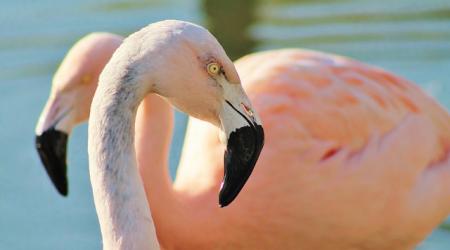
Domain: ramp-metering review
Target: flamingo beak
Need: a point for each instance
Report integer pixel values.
(52, 132)
(51, 146)
(245, 140)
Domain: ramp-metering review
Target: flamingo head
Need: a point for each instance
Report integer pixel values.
(185, 64)
(72, 91)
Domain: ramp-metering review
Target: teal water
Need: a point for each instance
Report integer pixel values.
(409, 37)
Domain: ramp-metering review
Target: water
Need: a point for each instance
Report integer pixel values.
(409, 37)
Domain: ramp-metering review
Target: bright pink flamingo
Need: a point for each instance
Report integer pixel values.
(355, 158)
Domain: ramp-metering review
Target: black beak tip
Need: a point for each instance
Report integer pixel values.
(51, 146)
(62, 187)
(243, 149)
(225, 198)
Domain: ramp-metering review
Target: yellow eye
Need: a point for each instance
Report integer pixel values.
(86, 79)
(213, 69)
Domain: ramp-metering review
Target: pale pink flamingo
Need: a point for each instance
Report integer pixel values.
(355, 158)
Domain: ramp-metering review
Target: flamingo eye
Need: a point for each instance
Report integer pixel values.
(213, 69)
(86, 79)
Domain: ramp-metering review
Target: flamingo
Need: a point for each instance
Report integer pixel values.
(355, 157)
(203, 83)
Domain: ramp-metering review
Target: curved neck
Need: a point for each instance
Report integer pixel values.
(154, 125)
(170, 212)
(120, 200)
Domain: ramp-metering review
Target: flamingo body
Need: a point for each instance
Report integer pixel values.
(355, 158)
(353, 153)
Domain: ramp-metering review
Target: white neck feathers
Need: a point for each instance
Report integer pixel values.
(120, 200)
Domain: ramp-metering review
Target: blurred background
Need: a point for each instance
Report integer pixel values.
(408, 37)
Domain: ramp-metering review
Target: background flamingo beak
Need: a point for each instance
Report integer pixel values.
(51, 146)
